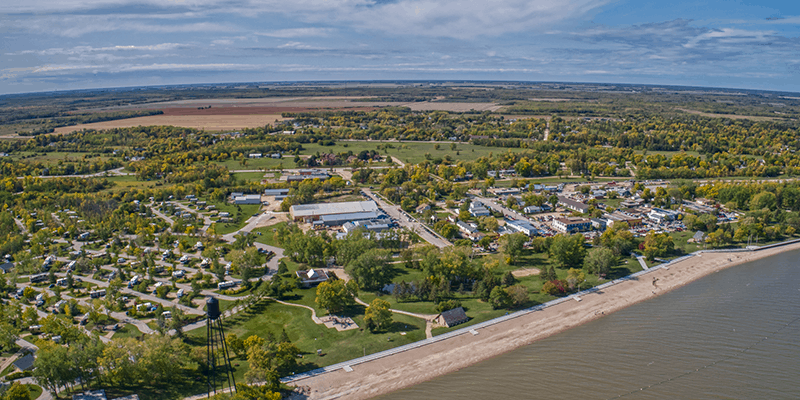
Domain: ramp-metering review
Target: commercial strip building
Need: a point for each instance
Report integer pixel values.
(573, 205)
(522, 227)
(660, 215)
(315, 212)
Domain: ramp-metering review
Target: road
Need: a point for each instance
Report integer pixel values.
(409, 223)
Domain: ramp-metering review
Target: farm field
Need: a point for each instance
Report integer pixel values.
(206, 122)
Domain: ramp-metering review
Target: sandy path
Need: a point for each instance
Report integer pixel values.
(424, 363)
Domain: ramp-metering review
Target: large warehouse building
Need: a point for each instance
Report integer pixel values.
(314, 212)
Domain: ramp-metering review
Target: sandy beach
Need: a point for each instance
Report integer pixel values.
(411, 367)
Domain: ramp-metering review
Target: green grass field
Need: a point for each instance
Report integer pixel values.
(410, 152)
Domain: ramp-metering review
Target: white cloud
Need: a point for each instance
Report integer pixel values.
(730, 35)
(297, 32)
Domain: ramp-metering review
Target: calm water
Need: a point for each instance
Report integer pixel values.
(732, 335)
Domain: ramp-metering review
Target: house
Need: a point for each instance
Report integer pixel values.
(573, 205)
(522, 227)
(25, 362)
(699, 237)
(532, 209)
(477, 209)
(569, 225)
(6, 267)
(312, 277)
(468, 231)
(423, 207)
(452, 317)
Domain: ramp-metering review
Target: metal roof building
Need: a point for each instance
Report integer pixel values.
(313, 212)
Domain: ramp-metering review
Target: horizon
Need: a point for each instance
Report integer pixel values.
(100, 44)
(365, 83)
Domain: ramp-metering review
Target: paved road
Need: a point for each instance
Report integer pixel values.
(409, 223)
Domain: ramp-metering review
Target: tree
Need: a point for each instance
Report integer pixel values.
(378, 316)
(764, 200)
(235, 344)
(371, 270)
(499, 298)
(599, 261)
(335, 295)
(574, 278)
(489, 224)
(518, 295)
(658, 245)
(568, 250)
(512, 246)
(17, 391)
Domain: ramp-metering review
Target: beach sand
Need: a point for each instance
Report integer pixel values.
(411, 367)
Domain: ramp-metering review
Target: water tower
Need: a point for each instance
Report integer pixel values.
(217, 350)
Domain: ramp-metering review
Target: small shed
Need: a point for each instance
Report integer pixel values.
(452, 317)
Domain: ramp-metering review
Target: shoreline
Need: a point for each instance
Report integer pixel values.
(427, 361)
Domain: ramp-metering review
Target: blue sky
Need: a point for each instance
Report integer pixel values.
(77, 44)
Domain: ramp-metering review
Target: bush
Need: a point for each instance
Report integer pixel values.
(555, 288)
(19, 374)
(447, 305)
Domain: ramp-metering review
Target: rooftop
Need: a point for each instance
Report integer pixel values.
(309, 210)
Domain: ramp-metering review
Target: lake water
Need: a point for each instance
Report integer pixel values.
(734, 334)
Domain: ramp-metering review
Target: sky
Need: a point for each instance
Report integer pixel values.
(51, 45)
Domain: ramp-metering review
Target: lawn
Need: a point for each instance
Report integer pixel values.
(249, 176)
(34, 390)
(269, 317)
(268, 234)
(127, 331)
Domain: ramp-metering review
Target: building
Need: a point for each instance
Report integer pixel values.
(599, 224)
(314, 212)
(504, 191)
(25, 362)
(468, 231)
(312, 277)
(423, 207)
(569, 225)
(477, 209)
(532, 209)
(452, 317)
(276, 192)
(617, 216)
(341, 219)
(247, 199)
(255, 155)
(522, 227)
(573, 205)
(304, 174)
(699, 208)
(374, 225)
(6, 267)
(659, 215)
